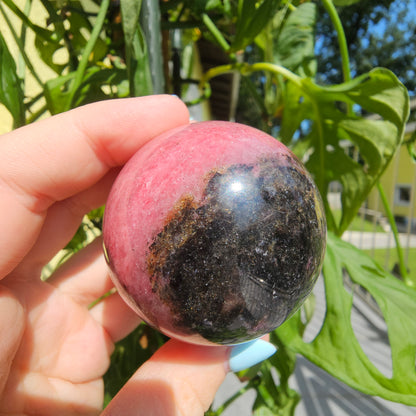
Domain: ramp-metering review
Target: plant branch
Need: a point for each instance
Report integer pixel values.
(402, 266)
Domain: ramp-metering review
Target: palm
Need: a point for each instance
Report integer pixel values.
(63, 353)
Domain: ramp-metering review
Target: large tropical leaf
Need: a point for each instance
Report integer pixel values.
(336, 136)
(295, 46)
(336, 348)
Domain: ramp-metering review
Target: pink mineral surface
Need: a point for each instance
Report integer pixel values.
(214, 233)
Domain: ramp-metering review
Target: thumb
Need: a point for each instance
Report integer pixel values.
(182, 379)
(179, 379)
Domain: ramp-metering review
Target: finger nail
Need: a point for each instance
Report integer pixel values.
(250, 353)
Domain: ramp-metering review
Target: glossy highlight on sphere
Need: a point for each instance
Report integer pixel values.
(215, 233)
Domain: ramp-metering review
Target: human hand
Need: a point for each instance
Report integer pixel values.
(53, 349)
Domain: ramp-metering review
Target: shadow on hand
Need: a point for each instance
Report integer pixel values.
(179, 379)
(143, 397)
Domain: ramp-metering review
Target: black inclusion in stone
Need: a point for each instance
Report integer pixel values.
(235, 265)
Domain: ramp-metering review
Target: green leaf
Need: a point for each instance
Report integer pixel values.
(130, 12)
(410, 145)
(72, 31)
(294, 47)
(336, 348)
(11, 93)
(274, 396)
(251, 20)
(78, 240)
(129, 354)
(78, 23)
(340, 3)
(198, 7)
(139, 67)
(46, 34)
(336, 137)
(296, 109)
(289, 41)
(263, 411)
(47, 51)
(137, 58)
(68, 91)
(213, 4)
(86, 54)
(54, 17)
(150, 25)
(57, 92)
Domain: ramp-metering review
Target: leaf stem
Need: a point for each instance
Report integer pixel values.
(227, 403)
(342, 40)
(402, 266)
(215, 32)
(246, 69)
(320, 127)
(22, 38)
(79, 75)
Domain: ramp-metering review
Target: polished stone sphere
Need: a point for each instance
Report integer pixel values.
(214, 233)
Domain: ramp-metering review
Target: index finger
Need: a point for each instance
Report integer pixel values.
(61, 156)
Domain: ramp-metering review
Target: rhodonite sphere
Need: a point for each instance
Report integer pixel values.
(214, 233)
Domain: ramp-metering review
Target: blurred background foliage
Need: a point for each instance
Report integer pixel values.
(308, 72)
